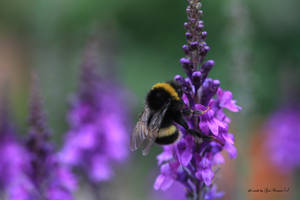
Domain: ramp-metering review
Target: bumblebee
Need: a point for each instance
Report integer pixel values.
(163, 107)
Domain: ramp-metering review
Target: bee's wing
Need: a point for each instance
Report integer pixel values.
(147, 145)
(144, 135)
(157, 118)
(153, 128)
(141, 132)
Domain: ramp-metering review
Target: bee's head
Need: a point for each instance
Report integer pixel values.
(177, 86)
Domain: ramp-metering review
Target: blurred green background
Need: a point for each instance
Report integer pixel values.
(255, 44)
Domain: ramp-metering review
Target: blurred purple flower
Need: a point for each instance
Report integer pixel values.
(46, 178)
(283, 137)
(192, 161)
(97, 137)
(13, 157)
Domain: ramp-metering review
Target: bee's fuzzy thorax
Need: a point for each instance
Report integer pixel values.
(167, 87)
(160, 95)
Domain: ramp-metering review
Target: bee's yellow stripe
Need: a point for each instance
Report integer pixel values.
(164, 132)
(168, 88)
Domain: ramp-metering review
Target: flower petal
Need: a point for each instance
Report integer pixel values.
(230, 148)
(207, 175)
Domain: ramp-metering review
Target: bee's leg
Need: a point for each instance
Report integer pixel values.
(197, 134)
(204, 137)
(187, 112)
(180, 120)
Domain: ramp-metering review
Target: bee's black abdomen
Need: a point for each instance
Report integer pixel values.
(170, 139)
(170, 115)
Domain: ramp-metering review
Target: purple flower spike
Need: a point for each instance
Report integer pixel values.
(46, 177)
(192, 161)
(97, 138)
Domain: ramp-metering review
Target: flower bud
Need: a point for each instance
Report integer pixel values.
(196, 79)
(186, 25)
(205, 68)
(188, 35)
(185, 49)
(194, 45)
